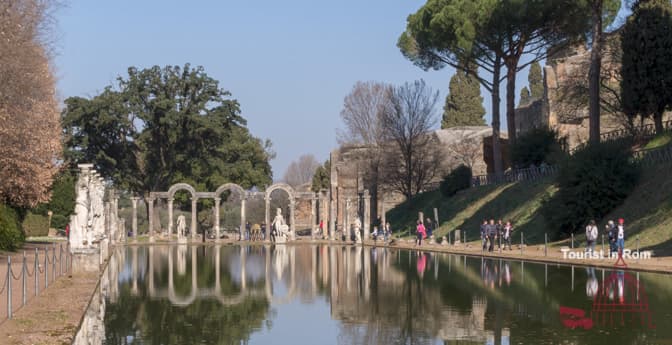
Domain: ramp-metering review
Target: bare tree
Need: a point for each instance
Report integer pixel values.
(301, 171)
(30, 144)
(413, 154)
(362, 116)
(465, 150)
(362, 113)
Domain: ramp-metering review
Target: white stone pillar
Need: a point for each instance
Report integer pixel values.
(150, 205)
(292, 225)
(267, 217)
(313, 211)
(242, 216)
(217, 201)
(332, 217)
(346, 220)
(194, 214)
(367, 214)
(134, 222)
(170, 217)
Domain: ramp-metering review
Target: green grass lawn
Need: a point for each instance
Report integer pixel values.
(647, 211)
(659, 140)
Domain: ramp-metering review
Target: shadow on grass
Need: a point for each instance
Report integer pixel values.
(518, 202)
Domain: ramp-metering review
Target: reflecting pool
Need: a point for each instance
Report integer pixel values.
(320, 294)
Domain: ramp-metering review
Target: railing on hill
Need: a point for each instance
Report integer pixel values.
(643, 131)
(517, 175)
(647, 157)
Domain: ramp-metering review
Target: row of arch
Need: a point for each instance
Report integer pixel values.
(195, 196)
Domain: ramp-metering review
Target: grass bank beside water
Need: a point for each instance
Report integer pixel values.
(647, 211)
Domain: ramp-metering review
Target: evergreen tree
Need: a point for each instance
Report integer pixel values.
(464, 104)
(524, 97)
(646, 87)
(536, 82)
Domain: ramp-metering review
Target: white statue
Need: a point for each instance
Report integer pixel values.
(279, 225)
(181, 226)
(358, 230)
(78, 221)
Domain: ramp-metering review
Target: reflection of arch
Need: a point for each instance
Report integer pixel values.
(196, 291)
(240, 191)
(292, 200)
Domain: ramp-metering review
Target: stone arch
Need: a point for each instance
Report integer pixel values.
(287, 188)
(229, 186)
(292, 200)
(171, 195)
(181, 186)
(243, 196)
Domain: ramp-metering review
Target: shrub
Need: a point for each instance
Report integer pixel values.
(457, 180)
(35, 225)
(11, 236)
(62, 202)
(594, 181)
(59, 222)
(540, 145)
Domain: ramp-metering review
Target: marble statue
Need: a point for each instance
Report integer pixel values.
(280, 226)
(358, 230)
(181, 227)
(79, 219)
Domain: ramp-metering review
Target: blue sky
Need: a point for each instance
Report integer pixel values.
(289, 63)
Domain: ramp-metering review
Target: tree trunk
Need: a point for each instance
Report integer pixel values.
(511, 100)
(594, 74)
(496, 148)
(658, 121)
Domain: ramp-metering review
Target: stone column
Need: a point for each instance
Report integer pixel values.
(170, 217)
(267, 219)
(292, 225)
(134, 221)
(150, 204)
(115, 216)
(217, 201)
(346, 219)
(367, 214)
(313, 211)
(332, 217)
(383, 219)
(194, 214)
(242, 216)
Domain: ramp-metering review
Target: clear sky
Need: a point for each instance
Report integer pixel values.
(289, 63)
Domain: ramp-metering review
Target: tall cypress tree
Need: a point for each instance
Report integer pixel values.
(536, 82)
(464, 103)
(524, 97)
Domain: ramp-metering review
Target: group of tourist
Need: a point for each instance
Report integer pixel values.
(615, 235)
(499, 233)
(424, 230)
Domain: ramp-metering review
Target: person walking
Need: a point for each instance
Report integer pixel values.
(484, 234)
(492, 235)
(500, 232)
(506, 235)
(620, 235)
(612, 236)
(421, 232)
(388, 231)
(591, 236)
(429, 228)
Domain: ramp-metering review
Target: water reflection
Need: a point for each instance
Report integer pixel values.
(359, 295)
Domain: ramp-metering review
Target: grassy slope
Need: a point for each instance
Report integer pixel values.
(648, 210)
(466, 210)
